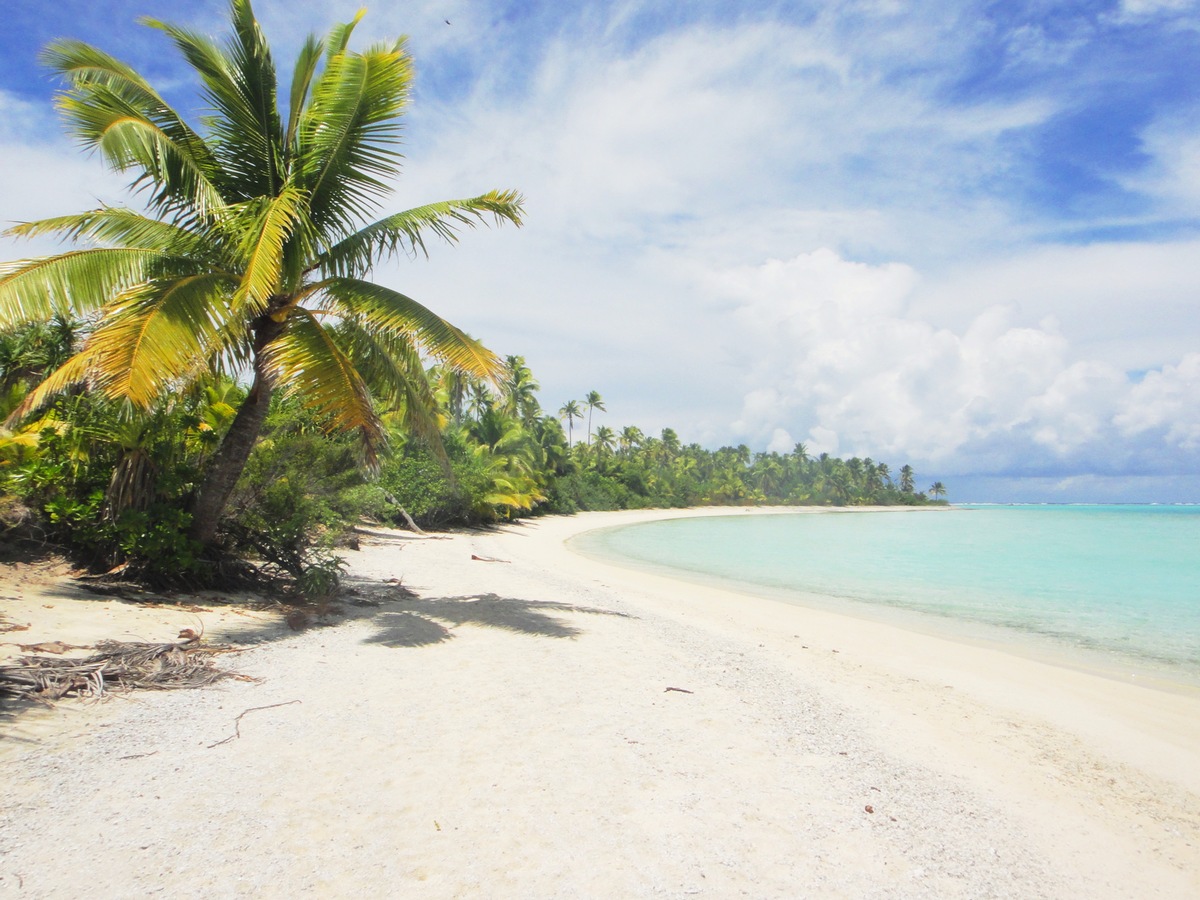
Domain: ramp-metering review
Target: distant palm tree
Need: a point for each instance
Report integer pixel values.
(907, 478)
(606, 440)
(570, 411)
(669, 446)
(631, 438)
(593, 401)
(520, 390)
(254, 255)
(479, 399)
(938, 490)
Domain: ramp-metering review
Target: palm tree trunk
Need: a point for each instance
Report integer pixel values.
(226, 465)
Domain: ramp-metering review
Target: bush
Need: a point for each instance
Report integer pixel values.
(589, 491)
(417, 482)
(298, 497)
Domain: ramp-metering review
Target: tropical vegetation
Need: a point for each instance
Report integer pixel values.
(251, 256)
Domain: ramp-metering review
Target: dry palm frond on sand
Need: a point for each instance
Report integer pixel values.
(116, 665)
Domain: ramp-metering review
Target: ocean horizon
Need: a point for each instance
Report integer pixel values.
(1108, 587)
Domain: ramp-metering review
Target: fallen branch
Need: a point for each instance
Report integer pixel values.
(115, 665)
(237, 723)
(681, 690)
(403, 513)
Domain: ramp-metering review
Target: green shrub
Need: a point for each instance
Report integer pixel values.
(289, 506)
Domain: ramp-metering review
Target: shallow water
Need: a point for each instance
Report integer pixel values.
(1119, 581)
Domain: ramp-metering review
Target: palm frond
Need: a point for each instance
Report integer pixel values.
(112, 108)
(350, 133)
(74, 371)
(339, 36)
(264, 242)
(239, 82)
(120, 226)
(309, 365)
(393, 313)
(70, 283)
(406, 231)
(156, 336)
(395, 374)
(302, 78)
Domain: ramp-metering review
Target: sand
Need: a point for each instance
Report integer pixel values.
(538, 724)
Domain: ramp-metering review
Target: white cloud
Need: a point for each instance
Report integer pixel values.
(43, 175)
(1136, 8)
(838, 353)
(781, 442)
(1166, 401)
(1130, 304)
(1174, 176)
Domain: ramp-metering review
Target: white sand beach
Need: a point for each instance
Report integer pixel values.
(539, 724)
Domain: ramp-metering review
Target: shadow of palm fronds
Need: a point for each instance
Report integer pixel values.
(425, 622)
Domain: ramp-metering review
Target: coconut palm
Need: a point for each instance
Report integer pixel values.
(670, 443)
(570, 411)
(606, 442)
(937, 490)
(519, 390)
(254, 253)
(631, 438)
(593, 401)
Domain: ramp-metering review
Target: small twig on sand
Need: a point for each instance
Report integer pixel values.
(488, 559)
(138, 755)
(237, 726)
(681, 690)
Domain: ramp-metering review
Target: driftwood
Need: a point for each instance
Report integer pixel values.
(237, 723)
(403, 513)
(116, 665)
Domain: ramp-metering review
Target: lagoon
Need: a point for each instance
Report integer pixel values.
(1108, 587)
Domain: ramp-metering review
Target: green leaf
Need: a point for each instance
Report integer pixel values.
(71, 283)
(390, 312)
(310, 366)
(405, 231)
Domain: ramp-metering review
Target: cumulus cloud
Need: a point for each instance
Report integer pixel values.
(840, 358)
(1167, 401)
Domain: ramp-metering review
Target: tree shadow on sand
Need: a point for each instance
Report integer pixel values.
(425, 622)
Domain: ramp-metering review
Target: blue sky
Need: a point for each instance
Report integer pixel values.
(962, 235)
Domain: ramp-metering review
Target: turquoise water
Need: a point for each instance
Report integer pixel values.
(1121, 581)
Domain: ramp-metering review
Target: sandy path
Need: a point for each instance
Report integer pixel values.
(509, 734)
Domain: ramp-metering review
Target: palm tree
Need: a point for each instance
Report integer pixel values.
(938, 490)
(254, 254)
(631, 438)
(907, 479)
(606, 441)
(519, 389)
(593, 401)
(670, 443)
(570, 411)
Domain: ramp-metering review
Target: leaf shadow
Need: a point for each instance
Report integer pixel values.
(425, 622)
